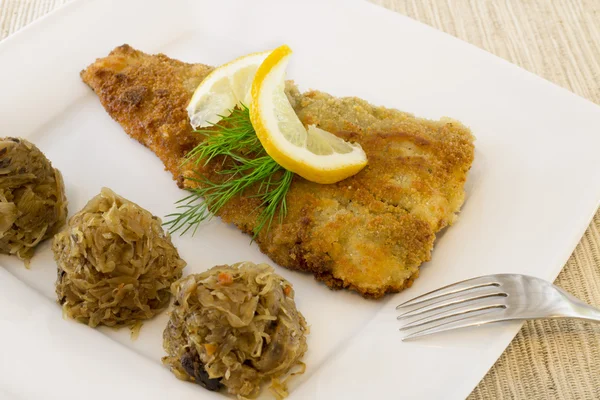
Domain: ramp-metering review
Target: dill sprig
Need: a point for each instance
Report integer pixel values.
(235, 139)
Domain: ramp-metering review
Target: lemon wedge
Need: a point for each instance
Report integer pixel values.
(224, 88)
(311, 152)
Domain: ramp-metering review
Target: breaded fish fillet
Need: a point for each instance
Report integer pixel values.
(368, 233)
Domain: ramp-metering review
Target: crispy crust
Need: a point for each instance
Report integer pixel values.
(368, 233)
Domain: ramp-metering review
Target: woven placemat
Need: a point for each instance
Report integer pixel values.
(558, 40)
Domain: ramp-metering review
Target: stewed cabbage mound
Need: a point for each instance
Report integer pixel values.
(115, 263)
(235, 327)
(33, 206)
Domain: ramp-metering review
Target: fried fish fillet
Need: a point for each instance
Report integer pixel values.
(370, 232)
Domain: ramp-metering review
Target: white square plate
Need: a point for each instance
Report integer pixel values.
(533, 188)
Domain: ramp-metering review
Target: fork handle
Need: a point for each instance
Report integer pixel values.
(586, 312)
(575, 308)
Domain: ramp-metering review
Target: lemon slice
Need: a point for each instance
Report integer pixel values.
(312, 153)
(224, 88)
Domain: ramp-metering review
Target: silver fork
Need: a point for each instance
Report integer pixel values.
(491, 298)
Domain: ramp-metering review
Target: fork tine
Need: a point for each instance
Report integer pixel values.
(461, 286)
(447, 301)
(486, 317)
(444, 316)
(449, 297)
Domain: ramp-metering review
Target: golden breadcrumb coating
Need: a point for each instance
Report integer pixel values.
(368, 233)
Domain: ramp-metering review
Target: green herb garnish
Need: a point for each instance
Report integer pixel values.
(235, 139)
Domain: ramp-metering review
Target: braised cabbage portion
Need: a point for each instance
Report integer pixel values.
(235, 326)
(115, 263)
(33, 206)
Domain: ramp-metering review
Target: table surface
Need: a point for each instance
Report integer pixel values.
(560, 41)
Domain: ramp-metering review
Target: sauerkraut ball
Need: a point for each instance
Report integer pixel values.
(33, 206)
(115, 263)
(235, 327)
